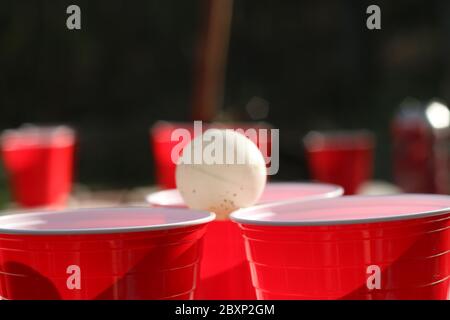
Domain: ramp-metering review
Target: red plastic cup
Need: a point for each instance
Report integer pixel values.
(356, 247)
(107, 253)
(343, 158)
(162, 145)
(39, 163)
(225, 274)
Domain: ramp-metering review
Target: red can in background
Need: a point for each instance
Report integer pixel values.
(344, 158)
(421, 148)
(39, 164)
(224, 272)
(353, 247)
(107, 253)
(163, 144)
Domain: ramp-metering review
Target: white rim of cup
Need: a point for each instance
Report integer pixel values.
(209, 216)
(239, 215)
(154, 197)
(311, 145)
(43, 135)
(336, 192)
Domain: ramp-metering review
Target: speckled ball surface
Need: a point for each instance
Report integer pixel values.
(219, 184)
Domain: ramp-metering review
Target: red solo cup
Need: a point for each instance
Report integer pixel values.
(356, 247)
(163, 145)
(343, 158)
(39, 163)
(225, 274)
(107, 253)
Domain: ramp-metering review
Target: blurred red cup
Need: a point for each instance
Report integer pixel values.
(39, 164)
(356, 247)
(107, 253)
(163, 144)
(224, 272)
(344, 158)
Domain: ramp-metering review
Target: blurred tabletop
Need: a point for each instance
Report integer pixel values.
(83, 197)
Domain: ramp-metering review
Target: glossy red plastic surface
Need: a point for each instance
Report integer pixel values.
(410, 257)
(103, 253)
(225, 273)
(159, 264)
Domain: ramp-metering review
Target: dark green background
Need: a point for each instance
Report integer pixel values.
(315, 62)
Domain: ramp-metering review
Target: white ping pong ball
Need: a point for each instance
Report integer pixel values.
(221, 171)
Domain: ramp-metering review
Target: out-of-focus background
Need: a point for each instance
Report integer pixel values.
(297, 65)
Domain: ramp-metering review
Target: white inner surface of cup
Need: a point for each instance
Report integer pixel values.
(170, 197)
(339, 140)
(349, 209)
(275, 191)
(102, 220)
(286, 191)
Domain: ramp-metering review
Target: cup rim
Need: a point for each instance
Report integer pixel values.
(239, 216)
(157, 198)
(351, 135)
(207, 217)
(41, 135)
(154, 198)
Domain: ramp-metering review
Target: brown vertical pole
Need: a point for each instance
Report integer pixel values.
(211, 59)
